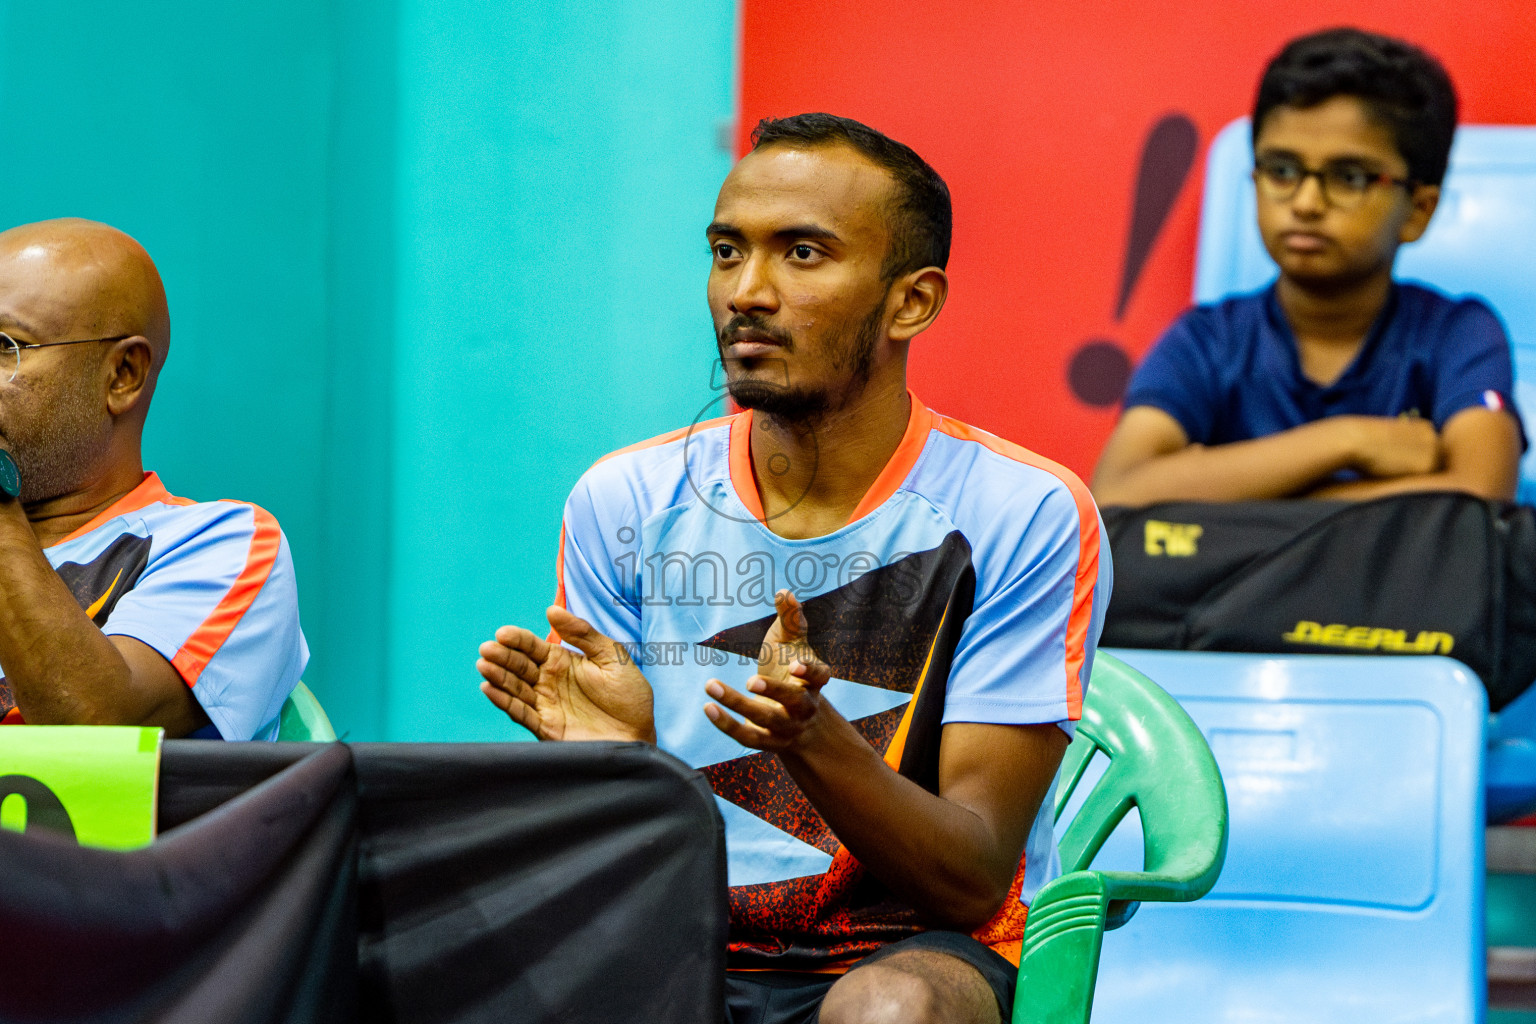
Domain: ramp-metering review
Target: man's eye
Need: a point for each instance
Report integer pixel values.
(802, 252)
(723, 250)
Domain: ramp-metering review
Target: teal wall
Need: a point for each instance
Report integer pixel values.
(557, 166)
(426, 261)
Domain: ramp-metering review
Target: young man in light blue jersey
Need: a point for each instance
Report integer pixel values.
(119, 603)
(901, 609)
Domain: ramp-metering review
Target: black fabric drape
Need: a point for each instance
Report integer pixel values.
(244, 916)
(467, 883)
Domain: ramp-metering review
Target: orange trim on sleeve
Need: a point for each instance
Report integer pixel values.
(206, 640)
(1088, 547)
(919, 423)
(554, 637)
(149, 492)
(560, 569)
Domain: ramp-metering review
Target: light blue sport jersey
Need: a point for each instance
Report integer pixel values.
(968, 586)
(208, 585)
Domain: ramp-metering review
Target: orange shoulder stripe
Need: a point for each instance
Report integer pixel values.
(654, 442)
(206, 640)
(1088, 547)
(667, 438)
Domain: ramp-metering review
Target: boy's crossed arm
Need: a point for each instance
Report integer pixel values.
(1149, 459)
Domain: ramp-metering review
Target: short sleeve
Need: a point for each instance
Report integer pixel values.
(218, 600)
(598, 565)
(1474, 367)
(1179, 377)
(1027, 649)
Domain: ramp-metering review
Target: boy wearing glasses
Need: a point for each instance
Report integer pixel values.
(1336, 381)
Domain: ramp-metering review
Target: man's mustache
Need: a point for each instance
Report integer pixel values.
(743, 323)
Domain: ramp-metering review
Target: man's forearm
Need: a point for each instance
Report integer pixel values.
(931, 852)
(60, 667)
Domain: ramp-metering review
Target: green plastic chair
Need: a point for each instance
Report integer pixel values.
(1158, 762)
(303, 720)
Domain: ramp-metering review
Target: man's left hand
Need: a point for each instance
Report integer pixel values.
(784, 705)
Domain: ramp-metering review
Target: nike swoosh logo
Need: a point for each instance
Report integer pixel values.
(101, 602)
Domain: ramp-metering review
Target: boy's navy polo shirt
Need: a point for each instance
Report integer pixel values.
(1229, 371)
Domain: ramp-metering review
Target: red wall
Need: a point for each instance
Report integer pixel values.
(1036, 115)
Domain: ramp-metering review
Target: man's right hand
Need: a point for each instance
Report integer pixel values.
(557, 694)
(1392, 446)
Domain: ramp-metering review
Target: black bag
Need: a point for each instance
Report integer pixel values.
(1433, 573)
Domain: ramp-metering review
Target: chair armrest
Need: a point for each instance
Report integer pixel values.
(1147, 887)
(1059, 957)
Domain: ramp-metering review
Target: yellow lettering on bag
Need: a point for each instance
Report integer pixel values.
(1368, 638)
(1176, 540)
(1304, 633)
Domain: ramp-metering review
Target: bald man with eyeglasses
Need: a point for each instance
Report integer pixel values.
(119, 602)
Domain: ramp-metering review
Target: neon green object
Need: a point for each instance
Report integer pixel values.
(97, 784)
(303, 720)
(1159, 763)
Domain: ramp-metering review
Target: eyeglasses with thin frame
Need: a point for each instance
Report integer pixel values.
(1344, 183)
(10, 351)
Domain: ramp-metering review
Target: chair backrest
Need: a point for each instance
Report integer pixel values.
(1353, 884)
(303, 720)
(1481, 242)
(1158, 763)
(1135, 748)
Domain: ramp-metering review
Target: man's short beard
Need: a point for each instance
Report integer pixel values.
(58, 456)
(799, 404)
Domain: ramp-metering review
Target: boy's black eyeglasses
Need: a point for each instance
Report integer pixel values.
(1344, 184)
(10, 351)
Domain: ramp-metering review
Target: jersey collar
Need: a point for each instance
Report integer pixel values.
(897, 468)
(149, 492)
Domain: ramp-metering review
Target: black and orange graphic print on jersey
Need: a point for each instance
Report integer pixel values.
(896, 628)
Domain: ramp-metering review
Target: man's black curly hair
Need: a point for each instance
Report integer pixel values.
(921, 223)
(1403, 88)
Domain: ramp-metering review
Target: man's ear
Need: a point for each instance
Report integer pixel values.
(129, 363)
(1422, 202)
(918, 296)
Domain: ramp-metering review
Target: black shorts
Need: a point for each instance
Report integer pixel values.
(793, 997)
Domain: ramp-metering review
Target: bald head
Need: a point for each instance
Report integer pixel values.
(79, 278)
(73, 413)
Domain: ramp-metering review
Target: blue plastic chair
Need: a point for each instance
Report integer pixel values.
(1481, 242)
(1353, 885)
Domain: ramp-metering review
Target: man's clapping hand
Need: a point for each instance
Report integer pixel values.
(558, 694)
(784, 705)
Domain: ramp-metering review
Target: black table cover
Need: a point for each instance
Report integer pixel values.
(382, 883)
